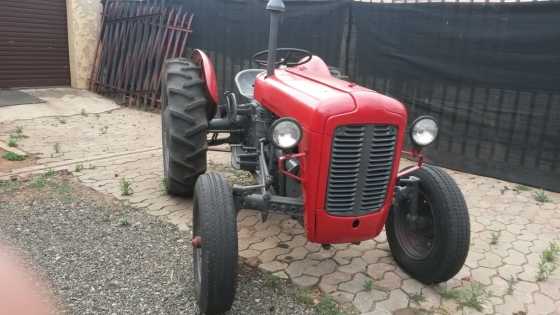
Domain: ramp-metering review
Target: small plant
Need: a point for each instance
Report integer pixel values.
(12, 156)
(61, 120)
(519, 188)
(19, 131)
(271, 281)
(104, 130)
(78, 168)
(511, 285)
(494, 238)
(83, 112)
(50, 173)
(417, 298)
(327, 306)
(548, 262)
(368, 285)
(126, 187)
(123, 222)
(163, 185)
(9, 185)
(56, 148)
(97, 115)
(39, 182)
(474, 296)
(540, 196)
(12, 141)
(303, 296)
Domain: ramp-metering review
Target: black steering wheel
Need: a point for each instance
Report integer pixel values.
(290, 57)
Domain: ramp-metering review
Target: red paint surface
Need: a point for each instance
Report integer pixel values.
(320, 103)
(208, 73)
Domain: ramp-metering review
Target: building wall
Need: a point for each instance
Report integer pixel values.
(84, 20)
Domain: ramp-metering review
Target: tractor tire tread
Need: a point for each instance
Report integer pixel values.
(218, 227)
(186, 110)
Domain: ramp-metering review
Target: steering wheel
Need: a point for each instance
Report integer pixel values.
(290, 57)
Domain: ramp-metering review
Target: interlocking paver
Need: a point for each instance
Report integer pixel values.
(524, 227)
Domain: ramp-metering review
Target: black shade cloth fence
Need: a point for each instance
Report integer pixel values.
(489, 72)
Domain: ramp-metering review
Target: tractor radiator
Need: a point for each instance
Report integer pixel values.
(360, 171)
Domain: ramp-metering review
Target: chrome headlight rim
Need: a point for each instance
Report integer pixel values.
(276, 124)
(415, 124)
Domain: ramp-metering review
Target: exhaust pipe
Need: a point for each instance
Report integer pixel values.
(276, 8)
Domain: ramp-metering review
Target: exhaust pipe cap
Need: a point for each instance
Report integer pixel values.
(276, 6)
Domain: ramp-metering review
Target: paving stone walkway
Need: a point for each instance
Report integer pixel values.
(510, 228)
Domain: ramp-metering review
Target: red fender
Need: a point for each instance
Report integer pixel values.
(208, 74)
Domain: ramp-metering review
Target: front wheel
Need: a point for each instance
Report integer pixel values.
(214, 244)
(433, 246)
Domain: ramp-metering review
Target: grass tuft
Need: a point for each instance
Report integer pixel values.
(473, 296)
(327, 306)
(12, 156)
(12, 141)
(304, 296)
(123, 222)
(126, 187)
(83, 112)
(271, 281)
(417, 298)
(78, 168)
(368, 285)
(540, 196)
(549, 261)
(494, 238)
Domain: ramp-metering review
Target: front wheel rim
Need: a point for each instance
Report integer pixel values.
(416, 237)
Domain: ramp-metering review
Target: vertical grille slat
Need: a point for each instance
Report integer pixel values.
(360, 171)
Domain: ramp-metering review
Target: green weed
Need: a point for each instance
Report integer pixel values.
(78, 168)
(271, 281)
(61, 120)
(417, 298)
(304, 296)
(123, 222)
(541, 196)
(12, 156)
(83, 112)
(474, 296)
(368, 285)
(519, 188)
(126, 187)
(549, 261)
(56, 148)
(12, 141)
(327, 306)
(494, 238)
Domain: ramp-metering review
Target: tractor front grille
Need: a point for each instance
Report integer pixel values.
(360, 171)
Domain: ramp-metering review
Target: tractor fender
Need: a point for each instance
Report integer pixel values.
(208, 74)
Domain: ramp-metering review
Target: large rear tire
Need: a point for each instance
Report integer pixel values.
(434, 247)
(184, 117)
(215, 251)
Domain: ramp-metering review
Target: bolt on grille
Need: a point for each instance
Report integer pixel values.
(360, 170)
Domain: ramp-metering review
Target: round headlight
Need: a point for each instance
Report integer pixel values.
(424, 131)
(285, 133)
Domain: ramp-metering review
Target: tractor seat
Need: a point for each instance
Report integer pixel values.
(245, 81)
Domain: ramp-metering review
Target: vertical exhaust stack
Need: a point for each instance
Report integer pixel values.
(276, 8)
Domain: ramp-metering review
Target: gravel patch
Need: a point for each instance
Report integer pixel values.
(100, 257)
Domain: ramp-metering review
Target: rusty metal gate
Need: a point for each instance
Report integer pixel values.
(135, 40)
(33, 43)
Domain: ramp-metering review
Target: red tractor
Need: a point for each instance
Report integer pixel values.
(321, 149)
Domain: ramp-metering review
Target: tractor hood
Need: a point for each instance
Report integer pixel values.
(309, 94)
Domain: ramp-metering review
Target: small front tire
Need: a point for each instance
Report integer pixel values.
(215, 251)
(434, 248)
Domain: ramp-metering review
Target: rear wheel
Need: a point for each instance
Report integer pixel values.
(433, 246)
(215, 250)
(184, 117)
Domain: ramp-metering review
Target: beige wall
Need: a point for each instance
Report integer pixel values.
(84, 17)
